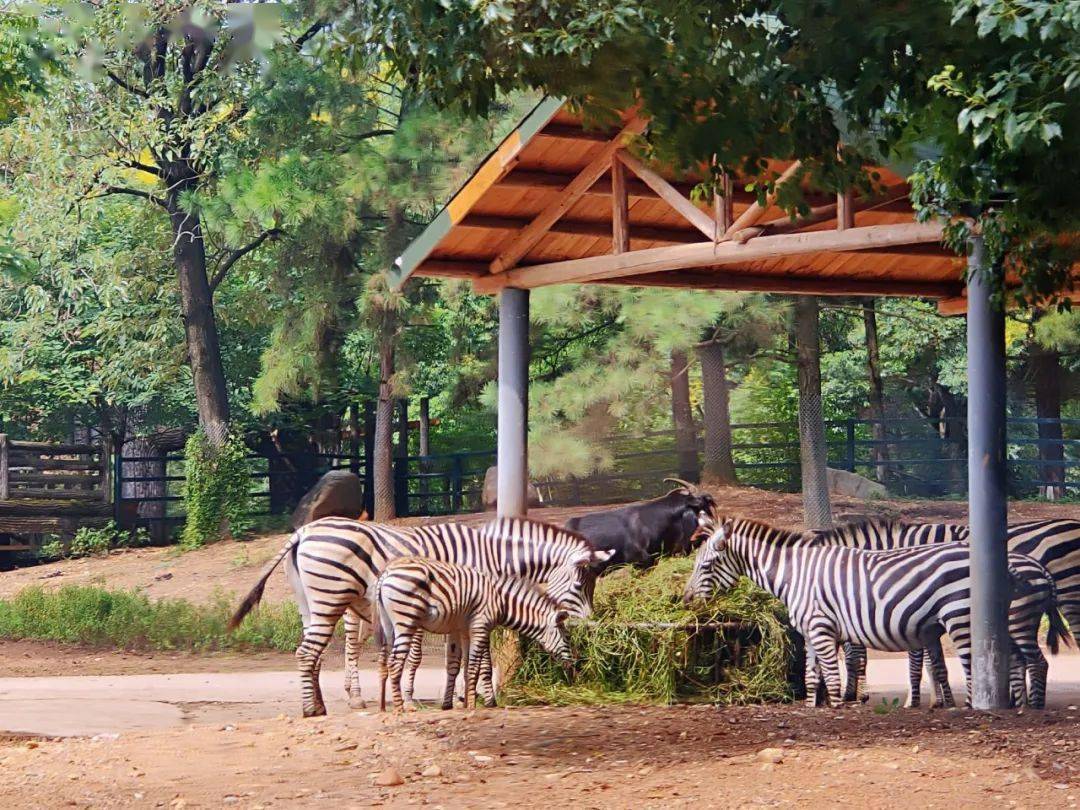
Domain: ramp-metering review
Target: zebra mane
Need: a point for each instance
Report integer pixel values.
(529, 529)
(760, 530)
(861, 524)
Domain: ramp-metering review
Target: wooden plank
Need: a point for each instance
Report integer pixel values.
(723, 207)
(93, 477)
(53, 494)
(547, 182)
(50, 449)
(35, 463)
(790, 285)
(578, 227)
(949, 307)
(709, 254)
(756, 211)
(620, 209)
(686, 209)
(3, 467)
(570, 132)
(562, 203)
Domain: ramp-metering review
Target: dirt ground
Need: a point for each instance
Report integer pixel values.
(611, 758)
(231, 568)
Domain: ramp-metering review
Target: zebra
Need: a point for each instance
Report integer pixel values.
(1054, 543)
(332, 562)
(890, 600)
(414, 594)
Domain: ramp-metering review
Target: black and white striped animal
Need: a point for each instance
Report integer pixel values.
(889, 600)
(416, 594)
(1054, 544)
(333, 562)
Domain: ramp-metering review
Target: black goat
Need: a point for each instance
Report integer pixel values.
(642, 532)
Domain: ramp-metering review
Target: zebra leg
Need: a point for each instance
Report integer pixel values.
(914, 668)
(308, 658)
(383, 653)
(939, 673)
(403, 639)
(487, 685)
(825, 645)
(851, 666)
(1036, 666)
(454, 650)
(862, 693)
(1018, 692)
(812, 680)
(412, 663)
(355, 628)
(479, 646)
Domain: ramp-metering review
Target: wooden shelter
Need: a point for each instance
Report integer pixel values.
(558, 203)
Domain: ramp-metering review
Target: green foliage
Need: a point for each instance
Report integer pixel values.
(620, 660)
(90, 541)
(216, 489)
(130, 620)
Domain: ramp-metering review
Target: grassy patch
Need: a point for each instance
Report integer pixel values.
(624, 659)
(130, 620)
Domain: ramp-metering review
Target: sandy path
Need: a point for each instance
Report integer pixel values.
(616, 757)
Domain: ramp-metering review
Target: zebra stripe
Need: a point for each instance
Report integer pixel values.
(333, 562)
(1054, 544)
(890, 600)
(416, 594)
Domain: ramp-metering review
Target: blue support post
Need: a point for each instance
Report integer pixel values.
(987, 497)
(513, 461)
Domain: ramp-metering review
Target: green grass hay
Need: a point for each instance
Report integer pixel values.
(623, 660)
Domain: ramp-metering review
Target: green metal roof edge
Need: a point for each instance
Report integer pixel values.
(422, 246)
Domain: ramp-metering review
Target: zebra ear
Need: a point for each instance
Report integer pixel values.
(601, 556)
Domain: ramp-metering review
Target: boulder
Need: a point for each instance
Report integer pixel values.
(853, 485)
(491, 489)
(339, 493)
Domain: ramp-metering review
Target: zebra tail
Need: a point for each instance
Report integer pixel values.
(255, 595)
(1058, 630)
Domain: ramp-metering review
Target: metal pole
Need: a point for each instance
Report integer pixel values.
(987, 504)
(513, 462)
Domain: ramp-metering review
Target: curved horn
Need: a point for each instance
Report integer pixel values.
(690, 487)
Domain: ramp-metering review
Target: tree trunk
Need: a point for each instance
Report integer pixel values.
(384, 425)
(150, 464)
(719, 463)
(877, 391)
(683, 416)
(813, 451)
(200, 325)
(1046, 379)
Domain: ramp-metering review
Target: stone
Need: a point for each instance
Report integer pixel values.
(339, 493)
(773, 755)
(491, 489)
(431, 771)
(389, 778)
(853, 485)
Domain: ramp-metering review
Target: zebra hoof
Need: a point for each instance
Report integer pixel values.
(357, 702)
(315, 711)
(447, 706)
(410, 706)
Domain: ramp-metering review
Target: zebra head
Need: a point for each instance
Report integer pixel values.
(714, 567)
(571, 585)
(554, 637)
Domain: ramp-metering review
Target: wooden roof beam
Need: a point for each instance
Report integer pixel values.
(536, 179)
(792, 285)
(577, 227)
(533, 232)
(709, 254)
(666, 192)
(755, 212)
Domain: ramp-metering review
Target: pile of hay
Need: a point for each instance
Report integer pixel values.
(643, 645)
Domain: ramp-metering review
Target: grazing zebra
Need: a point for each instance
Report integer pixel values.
(414, 594)
(1055, 544)
(332, 562)
(890, 600)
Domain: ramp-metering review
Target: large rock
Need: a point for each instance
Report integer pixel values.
(491, 490)
(339, 493)
(853, 485)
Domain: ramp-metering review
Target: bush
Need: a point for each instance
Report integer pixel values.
(643, 645)
(217, 481)
(128, 619)
(89, 541)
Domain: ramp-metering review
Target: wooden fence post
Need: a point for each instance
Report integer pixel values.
(3, 467)
(106, 468)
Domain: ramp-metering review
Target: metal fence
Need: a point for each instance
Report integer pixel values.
(921, 459)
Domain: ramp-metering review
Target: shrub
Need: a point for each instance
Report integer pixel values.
(643, 645)
(89, 541)
(217, 480)
(129, 619)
